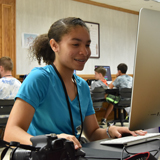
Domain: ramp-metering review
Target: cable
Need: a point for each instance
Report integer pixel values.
(124, 148)
(94, 157)
(130, 153)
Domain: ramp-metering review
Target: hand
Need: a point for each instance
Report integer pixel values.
(118, 131)
(117, 74)
(70, 138)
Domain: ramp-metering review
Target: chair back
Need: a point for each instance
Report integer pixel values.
(98, 98)
(5, 109)
(125, 95)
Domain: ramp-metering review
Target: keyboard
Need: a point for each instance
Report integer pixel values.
(131, 140)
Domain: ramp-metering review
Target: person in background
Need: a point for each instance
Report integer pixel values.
(41, 105)
(122, 81)
(100, 73)
(9, 85)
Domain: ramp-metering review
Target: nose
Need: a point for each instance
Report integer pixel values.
(85, 51)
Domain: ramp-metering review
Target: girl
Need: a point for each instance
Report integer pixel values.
(54, 100)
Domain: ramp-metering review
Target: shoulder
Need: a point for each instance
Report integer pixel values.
(40, 73)
(126, 77)
(81, 83)
(40, 76)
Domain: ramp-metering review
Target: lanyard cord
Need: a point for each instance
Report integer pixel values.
(69, 108)
(79, 109)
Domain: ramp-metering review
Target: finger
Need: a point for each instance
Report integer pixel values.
(75, 141)
(113, 131)
(133, 133)
(71, 138)
(141, 132)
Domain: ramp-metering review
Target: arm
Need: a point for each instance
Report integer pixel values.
(93, 132)
(18, 122)
(111, 84)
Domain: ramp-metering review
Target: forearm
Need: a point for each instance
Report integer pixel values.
(111, 85)
(17, 134)
(98, 134)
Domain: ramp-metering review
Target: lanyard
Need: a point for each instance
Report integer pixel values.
(69, 107)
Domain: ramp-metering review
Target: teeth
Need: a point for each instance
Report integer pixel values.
(79, 60)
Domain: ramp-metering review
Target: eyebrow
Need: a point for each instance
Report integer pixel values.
(76, 39)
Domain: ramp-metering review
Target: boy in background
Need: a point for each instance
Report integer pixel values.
(100, 73)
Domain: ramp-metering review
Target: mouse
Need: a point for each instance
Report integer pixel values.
(79, 152)
(126, 134)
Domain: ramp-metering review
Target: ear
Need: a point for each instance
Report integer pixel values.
(119, 72)
(54, 45)
(1, 68)
(100, 74)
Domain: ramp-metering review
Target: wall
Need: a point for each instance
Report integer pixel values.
(117, 31)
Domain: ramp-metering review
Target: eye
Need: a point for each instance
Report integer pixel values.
(88, 45)
(75, 44)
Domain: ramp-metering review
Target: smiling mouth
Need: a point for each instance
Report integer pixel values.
(80, 60)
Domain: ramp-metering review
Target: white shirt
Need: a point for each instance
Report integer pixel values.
(9, 87)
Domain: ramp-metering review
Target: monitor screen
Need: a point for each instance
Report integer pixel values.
(108, 74)
(145, 102)
(74, 71)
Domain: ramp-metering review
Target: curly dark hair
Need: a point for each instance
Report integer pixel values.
(41, 48)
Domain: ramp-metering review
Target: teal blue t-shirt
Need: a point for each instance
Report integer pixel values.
(43, 90)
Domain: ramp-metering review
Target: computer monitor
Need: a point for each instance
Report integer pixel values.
(108, 74)
(145, 102)
(74, 71)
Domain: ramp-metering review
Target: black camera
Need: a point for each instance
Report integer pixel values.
(46, 148)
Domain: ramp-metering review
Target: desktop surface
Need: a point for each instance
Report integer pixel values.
(95, 149)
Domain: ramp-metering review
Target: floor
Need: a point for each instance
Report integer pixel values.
(7, 157)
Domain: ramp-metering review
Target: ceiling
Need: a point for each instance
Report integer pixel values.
(134, 5)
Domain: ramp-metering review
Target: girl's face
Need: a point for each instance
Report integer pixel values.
(73, 51)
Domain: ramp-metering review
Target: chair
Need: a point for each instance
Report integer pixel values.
(89, 81)
(125, 95)
(5, 108)
(98, 97)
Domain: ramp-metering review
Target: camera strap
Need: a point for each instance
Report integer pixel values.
(69, 107)
(8, 145)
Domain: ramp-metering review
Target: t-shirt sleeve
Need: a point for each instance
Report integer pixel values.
(90, 109)
(34, 87)
(116, 82)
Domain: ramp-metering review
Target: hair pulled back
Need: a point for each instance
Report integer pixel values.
(41, 48)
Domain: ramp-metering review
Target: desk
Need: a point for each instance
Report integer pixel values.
(95, 149)
(113, 91)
